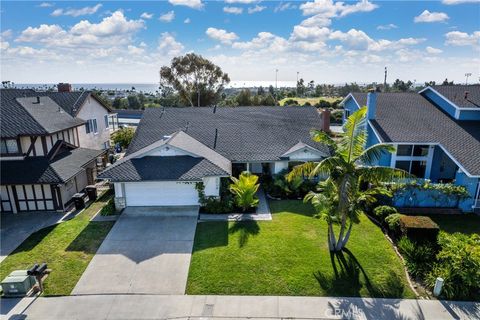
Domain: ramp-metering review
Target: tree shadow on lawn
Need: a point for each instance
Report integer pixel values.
(246, 230)
(91, 237)
(210, 235)
(347, 279)
(34, 239)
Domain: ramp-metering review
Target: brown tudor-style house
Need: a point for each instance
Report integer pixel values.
(52, 145)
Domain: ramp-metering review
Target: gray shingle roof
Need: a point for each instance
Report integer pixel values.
(48, 114)
(155, 168)
(408, 117)
(456, 94)
(16, 121)
(33, 170)
(244, 133)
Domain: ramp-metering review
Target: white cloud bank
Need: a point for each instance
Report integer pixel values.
(427, 16)
(76, 12)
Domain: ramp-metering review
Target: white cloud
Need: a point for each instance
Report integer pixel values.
(76, 12)
(45, 5)
(263, 40)
(113, 30)
(427, 16)
(453, 2)
(331, 9)
(256, 9)
(167, 17)
(146, 15)
(187, 21)
(241, 1)
(284, 6)
(6, 34)
(133, 50)
(233, 10)
(194, 4)
(221, 35)
(433, 50)
(169, 46)
(310, 33)
(387, 26)
(457, 38)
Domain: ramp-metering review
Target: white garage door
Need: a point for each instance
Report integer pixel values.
(161, 194)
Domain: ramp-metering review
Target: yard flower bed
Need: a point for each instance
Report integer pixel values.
(67, 248)
(289, 256)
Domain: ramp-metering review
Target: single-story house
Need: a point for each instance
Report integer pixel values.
(174, 148)
(436, 133)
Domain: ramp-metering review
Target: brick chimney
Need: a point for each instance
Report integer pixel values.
(64, 87)
(371, 104)
(325, 120)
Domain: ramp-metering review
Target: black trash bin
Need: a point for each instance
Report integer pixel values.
(91, 192)
(78, 199)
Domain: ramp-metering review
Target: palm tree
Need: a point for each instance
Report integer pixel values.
(343, 194)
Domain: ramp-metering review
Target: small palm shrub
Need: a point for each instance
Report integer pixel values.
(418, 257)
(245, 189)
(381, 212)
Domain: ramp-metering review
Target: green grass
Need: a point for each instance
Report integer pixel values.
(312, 101)
(464, 223)
(289, 256)
(67, 248)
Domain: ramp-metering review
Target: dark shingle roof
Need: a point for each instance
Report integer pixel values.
(40, 170)
(456, 94)
(48, 114)
(154, 168)
(408, 117)
(244, 133)
(15, 120)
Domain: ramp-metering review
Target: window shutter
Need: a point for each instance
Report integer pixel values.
(95, 126)
(106, 120)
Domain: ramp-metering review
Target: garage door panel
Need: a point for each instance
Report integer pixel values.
(169, 193)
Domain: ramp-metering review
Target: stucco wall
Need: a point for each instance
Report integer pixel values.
(212, 186)
(93, 110)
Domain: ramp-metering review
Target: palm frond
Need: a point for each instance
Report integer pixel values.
(374, 153)
(322, 137)
(377, 174)
(353, 138)
(302, 170)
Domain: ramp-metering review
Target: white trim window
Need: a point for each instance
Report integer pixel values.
(106, 118)
(347, 113)
(414, 159)
(91, 126)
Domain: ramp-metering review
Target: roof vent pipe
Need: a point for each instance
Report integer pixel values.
(214, 108)
(371, 104)
(466, 95)
(37, 101)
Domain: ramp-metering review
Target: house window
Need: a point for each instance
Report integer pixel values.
(9, 146)
(412, 158)
(106, 121)
(347, 113)
(91, 126)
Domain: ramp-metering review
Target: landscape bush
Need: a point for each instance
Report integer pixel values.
(336, 116)
(210, 204)
(419, 228)
(418, 257)
(458, 263)
(279, 187)
(381, 212)
(123, 136)
(393, 223)
(291, 102)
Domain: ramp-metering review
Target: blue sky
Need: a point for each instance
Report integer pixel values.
(326, 41)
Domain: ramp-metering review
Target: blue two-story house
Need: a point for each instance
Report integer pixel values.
(436, 133)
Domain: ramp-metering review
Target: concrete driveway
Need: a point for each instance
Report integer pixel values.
(15, 228)
(147, 251)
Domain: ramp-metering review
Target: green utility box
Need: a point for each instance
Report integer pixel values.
(18, 283)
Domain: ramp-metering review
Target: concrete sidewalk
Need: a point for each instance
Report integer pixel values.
(182, 306)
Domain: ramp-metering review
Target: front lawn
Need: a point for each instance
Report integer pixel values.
(289, 256)
(67, 248)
